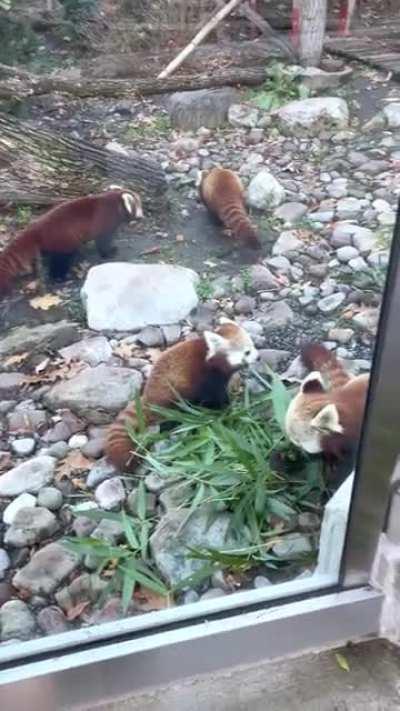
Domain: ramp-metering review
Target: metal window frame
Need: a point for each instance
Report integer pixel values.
(95, 665)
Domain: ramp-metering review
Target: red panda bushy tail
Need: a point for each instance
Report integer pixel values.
(16, 259)
(316, 357)
(234, 216)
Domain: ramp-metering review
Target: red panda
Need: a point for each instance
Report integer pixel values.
(197, 370)
(327, 413)
(58, 233)
(222, 192)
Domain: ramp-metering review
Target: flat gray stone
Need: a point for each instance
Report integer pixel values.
(243, 115)
(123, 297)
(100, 471)
(23, 447)
(110, 494)
(328, 111)
(30, 526)
(50, 497)
(287, 242)
(170, 540)
(47, 335)
(46, 569)
(21, 502)
(95, 393)
(292, 545)
(30, 476)
(262, 278)
(190, 110)
(330, 303)
(344, 254)
(276, 315)
(392, 115)
(10, 384)
(16, 621)
(4, 562)
(92, 351)
(291, 212)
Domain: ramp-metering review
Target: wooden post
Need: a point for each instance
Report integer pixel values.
(309, 17)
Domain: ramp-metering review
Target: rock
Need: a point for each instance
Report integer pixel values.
(391, 113)
(23, 447)
(190, 597)
(6, 593)
(348, 208)
(92, 351)
(63, 430)
(77, 441)
(317, 79)
(132, 503)
(367, 319)
(110, 494)
(191, 110)
(59, 450)
(170, 540)
(212, 594)
(272, 357)
(387, 219)
(291, 212)
(109, 531)
(319, 271)
(287, 242)
(280, 263)
(29, 476)
(151, 336)
(10, 384)
(52, 620)
(254, 136)
(344, 254)
(261, 278)
(243, 116)
(100, 472)
(330, 303)
(245, 305)
(21, 502)
(94, 448)
(4, 563)
(309, 521)
(46, 569)
(171, 333)
(16, 620)
(83, 526)
(276, 315)
(50, 497)
(342, 234)
(176, 496)
(321, 216)
(27, 421)
(265, 191)
(292, 545)
(364, 239)
(373, 167)
(30, 526)
(96, 393)
(379, 259)
(358, 264)
(86, 587)
(341, 335)
(307, 114)
(124, 297)
(48, 336)
(260, 581)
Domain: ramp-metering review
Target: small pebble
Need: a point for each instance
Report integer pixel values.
(260, 581)
(23, 447)
(50, 497)
(59, 450)
(22, 501)
(77, 441)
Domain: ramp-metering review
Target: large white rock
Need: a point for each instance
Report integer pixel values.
(265, 191)
(307, 113)
(30, 476)
(122, 296)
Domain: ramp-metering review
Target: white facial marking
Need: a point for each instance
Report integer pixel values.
(327, 420)
(199, 178)
(215, 344)
(115, 187)
(299, 431)
(131, 206)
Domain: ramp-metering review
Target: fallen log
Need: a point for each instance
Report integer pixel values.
(21, 88)
(39, 167)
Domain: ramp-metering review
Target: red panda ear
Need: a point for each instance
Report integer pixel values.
(313, 383)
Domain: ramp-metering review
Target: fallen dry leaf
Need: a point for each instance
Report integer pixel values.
(76, 611)
(125, 350)
(45, 302)
(15, 359)
(73, 463)
(147, 600)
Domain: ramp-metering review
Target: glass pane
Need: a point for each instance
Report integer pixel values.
(177, 222)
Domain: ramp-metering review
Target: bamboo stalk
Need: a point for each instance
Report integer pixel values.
(197, 39)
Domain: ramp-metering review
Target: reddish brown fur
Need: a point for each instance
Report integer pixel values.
(62, 230)
(181, 369)
(222, 192)
(348, 394)
(316, 357)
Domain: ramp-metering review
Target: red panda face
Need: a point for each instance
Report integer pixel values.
(132, 205)
(311, 416)
(231, 342)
